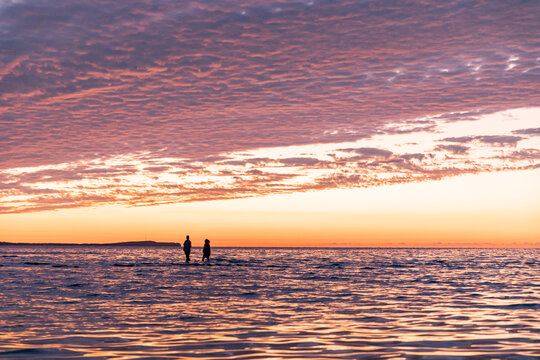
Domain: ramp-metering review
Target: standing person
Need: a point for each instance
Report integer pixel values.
(206, 250)
(187, 248)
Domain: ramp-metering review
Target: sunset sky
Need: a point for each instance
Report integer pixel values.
(271, 123)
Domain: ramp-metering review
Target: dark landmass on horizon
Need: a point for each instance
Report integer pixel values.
(124, 243)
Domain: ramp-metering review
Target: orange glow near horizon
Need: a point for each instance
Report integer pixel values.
(486, 210)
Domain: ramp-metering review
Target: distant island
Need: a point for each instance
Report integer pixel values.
(124, 243)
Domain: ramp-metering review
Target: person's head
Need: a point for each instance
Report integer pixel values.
(187, 237)
(206, 241)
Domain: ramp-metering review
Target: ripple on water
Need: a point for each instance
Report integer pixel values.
(60, 302)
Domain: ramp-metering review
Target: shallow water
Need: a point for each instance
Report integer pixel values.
(136, 303)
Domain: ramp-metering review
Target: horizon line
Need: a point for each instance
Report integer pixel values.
(150, 243)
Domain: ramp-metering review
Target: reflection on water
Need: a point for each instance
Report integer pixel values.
(129, 303)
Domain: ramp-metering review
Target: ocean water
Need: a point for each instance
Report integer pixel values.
(145, 303)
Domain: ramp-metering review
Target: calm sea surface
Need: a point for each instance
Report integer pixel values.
(144, 303)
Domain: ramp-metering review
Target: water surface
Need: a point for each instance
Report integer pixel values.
(135, 303)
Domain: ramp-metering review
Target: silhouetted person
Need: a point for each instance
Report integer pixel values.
(187, 248)
(206, 250)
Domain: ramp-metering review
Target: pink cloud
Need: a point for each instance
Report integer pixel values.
(82, 82)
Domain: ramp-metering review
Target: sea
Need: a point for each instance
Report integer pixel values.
(90, 302)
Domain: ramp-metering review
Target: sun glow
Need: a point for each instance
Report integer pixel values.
(487, 210)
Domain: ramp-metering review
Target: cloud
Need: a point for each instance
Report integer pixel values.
(89, 79)
(367, 152)
(503, 140)
(525, 154)
(417, 157)
(300, 161)
(454, 149)
(500, 139)
(146, 102)
(530, 131)
(156, 169)
(459, 139)
(461, 115)
(139, 179)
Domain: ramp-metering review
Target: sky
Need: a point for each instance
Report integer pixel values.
(271, 123)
